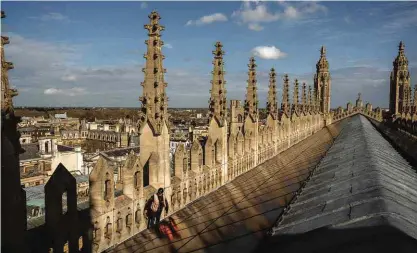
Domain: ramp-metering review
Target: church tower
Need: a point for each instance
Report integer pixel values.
(153, 122)
(285, 104)
(271, 104)
(399, 82)
(322, 82)
(217, 106)
(13, 197)
(217, 132)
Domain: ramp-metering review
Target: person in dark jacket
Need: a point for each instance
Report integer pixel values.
(154, 206)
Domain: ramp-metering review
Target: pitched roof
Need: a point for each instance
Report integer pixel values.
(31, 152)
(121, 151)
(363, 182)
(62, 148)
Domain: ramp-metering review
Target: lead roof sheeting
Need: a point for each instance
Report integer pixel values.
(362, 177)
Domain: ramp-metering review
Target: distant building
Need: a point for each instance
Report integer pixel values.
(40, 159)
(35, 198)
(60, 115)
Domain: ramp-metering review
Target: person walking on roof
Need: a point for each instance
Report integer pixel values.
(154, 206)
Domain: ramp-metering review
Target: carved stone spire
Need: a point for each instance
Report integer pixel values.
(408, 99)
(285, 104)
(359, 102)
(304, 97)
(6, 92)
(310, 99)
(271, 104)
(322, 82)
(217, 106)
(154, 99)
(316, 101)
(13, 199)
(399, 82)
(251, 102)
(415, 96)
(295, 100)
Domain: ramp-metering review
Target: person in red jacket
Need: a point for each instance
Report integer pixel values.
(154, 206)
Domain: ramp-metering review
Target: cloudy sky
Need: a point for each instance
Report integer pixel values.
(91, 53)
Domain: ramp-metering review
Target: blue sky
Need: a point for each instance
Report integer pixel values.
(91, 53)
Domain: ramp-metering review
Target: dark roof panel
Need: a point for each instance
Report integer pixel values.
(31, 152)
(363, 181)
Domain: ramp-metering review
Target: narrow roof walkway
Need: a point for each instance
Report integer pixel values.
(237, 215)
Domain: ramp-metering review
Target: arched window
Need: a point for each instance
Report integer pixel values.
(136, 180)
(129, 220)
(138, 215)
(185, 164)
(108, 232)
(66, 248)
(46, 147)
(64, 203)
(107, 189)
(200, 158)
(119, 223)
(146, 174)
(239, 118)
(213, 153)
(80, 243)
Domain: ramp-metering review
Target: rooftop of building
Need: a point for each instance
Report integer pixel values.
(363, 182)
(232, 217)
(121, 151)
(60, 115)
(348, 176)
(31, 152)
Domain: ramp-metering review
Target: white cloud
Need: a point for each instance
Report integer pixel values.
(252, 13)
(75, 91)
(52, 16)
(167, 45)
(255, 27)
(69, 78)
(51, 91)
(216, 17)
(291, 12)
(144, 5)
(268, 52)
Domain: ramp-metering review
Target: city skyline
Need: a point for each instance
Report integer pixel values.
(76, 54)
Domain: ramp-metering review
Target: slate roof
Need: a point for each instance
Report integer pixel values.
(31, 152)
(35, 195)
(234, 217)
(362, 190)
(121, 151)
(81, 178)
(62, 148)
